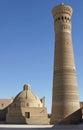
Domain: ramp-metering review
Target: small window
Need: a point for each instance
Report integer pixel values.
(65, 17)
(27, 114)
(68, 18)
(2, 105)
(27, 104)
(62, 17)
(58, 18)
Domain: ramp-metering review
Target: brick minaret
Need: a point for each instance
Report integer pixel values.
(65, 99)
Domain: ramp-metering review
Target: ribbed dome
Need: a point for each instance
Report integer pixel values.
(27, 98)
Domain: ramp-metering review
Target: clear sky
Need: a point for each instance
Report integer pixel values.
(27, 46)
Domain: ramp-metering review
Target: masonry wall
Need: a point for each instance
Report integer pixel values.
(27, 116)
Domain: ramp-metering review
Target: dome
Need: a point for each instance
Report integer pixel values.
(27, 98)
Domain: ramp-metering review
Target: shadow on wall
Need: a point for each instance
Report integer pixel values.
(11, 114)
(74, 118)
(14, 115)
(3, 113)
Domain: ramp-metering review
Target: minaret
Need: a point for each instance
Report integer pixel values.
(65, 99)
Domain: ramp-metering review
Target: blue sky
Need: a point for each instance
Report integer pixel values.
(27, 46)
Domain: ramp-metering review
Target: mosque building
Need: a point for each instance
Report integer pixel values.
(25, 108)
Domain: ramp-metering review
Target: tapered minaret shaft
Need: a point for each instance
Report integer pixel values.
(65, 92)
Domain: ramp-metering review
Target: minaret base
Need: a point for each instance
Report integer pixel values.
(74, 118)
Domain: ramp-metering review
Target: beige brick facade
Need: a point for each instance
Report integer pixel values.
(25, 108)
(65, 99)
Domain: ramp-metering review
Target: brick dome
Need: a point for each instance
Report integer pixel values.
(27, 98)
